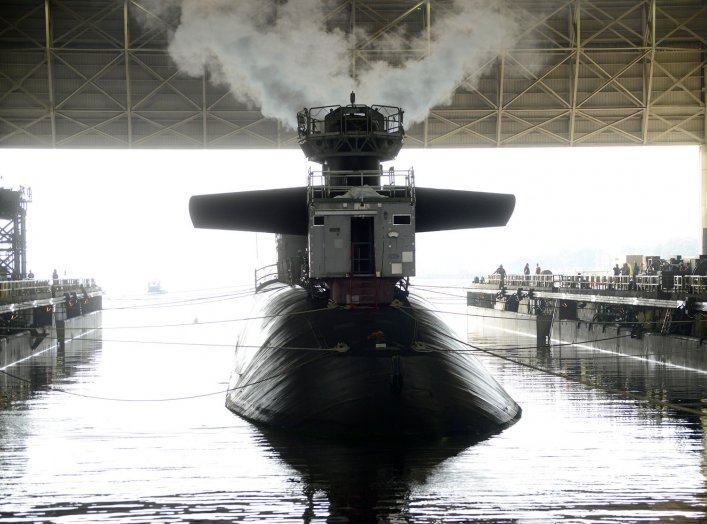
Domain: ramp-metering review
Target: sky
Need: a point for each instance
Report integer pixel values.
(121, 216)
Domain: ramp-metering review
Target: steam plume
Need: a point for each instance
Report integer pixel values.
(283, 56)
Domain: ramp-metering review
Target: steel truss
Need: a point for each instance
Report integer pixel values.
(13, 237)
(78, 73)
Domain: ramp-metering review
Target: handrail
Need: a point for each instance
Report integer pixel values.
(334, 120)
(336, 184)
(693, 284)
(265, 275)
(32, 289)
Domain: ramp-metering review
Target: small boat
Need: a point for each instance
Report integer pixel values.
(155, 286)
(337, 345)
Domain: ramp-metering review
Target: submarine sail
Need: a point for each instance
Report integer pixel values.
(338, 344)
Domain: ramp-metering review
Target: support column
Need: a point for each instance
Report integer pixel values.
(49, 50)
(703, 170)
(128, 83)
(353, 41)
(703, 200)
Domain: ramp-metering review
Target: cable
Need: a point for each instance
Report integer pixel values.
(209, 344)
(302, 348)
(186, 301)
(205, 322)
(149, 296)
(594, 385)
(402, 308)
(472, 347)
(168, 399)
(261, 317)
(532, 318)
(451, 337)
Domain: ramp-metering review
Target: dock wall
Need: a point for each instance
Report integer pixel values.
(670, 349)
(34, 341)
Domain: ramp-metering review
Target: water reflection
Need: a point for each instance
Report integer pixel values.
(362, 481)
(601, 440)
(53, 365)
(673, 390)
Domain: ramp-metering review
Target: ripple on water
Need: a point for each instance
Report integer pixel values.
(593, 445)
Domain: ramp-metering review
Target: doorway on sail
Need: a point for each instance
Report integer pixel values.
(362, 251)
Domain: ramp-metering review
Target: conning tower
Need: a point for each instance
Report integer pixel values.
(361, 230)
(349, 235)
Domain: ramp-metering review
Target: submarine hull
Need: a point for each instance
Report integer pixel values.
(386, 371)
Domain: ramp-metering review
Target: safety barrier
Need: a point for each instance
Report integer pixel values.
(335, 120)
(693, 284)
(12, 291)
(265, 275)
(378, 183)
(516, 281)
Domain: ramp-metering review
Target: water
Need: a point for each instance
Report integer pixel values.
(129, 425)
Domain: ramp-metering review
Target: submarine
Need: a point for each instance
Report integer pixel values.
(337, 344)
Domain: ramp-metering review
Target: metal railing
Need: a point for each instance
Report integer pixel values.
(265, 275)
(340, 184)
(15, 291)
(347, 120)
(693, 284)
(21, 290)
(71, 285)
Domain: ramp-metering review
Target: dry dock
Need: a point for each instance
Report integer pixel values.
(36, 315)
(658, 317)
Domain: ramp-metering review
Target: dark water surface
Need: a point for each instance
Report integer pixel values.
(128, 424)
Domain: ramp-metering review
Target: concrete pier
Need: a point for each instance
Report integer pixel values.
(677, 350)
(650, 323)
(36, 316)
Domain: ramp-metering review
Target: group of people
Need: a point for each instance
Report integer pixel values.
(500, 270)
(526, 269)
(55, 275)
(627, 270)
(653, 268)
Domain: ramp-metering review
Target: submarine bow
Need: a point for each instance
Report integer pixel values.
(284, 210)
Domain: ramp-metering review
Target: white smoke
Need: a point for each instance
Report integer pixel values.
(462, 42)
(280, 56)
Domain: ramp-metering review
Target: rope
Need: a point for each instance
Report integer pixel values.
(167, 399)
(585, 382)
(328, 351)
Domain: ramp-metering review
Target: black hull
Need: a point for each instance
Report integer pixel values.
(386, 371)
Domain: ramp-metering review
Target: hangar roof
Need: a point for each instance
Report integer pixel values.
(79, 73)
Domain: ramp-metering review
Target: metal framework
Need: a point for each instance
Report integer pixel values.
(13, 237)
(79, 73)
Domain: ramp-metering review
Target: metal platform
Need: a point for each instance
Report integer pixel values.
(19, 295)
(660, 291)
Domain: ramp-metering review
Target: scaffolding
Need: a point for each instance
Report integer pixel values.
(13, 239)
